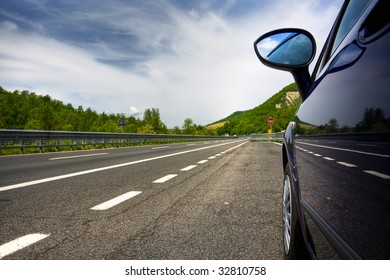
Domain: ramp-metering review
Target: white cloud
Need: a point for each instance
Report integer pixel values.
(134, 111)
(266, 45)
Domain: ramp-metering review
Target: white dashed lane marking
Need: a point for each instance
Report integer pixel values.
(203, 161)
(20, 243)
(346, 164)
(115, 201)
(161, 147)
(188, 168)
(328, 158)
(164, 179)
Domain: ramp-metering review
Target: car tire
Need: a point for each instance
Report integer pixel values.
(293, 241)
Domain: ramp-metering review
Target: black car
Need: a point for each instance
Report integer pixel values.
(336, 151)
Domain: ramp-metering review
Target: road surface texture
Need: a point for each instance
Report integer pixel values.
(215, 200)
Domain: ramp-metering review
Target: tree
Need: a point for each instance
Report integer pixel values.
(153, 121)
(332, 126)
(176, 130)
(188, 126)
(187, 123)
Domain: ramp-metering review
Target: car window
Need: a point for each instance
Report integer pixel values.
(353, 12)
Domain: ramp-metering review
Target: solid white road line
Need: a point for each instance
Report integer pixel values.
(115, 201)
(20, 243)
(346, 164)
(165, 178)
(203, 161)
(80, 156)
(378, 174)
(50, 179)
(188, 168)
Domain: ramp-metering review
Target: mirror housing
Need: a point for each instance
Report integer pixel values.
(289, 49)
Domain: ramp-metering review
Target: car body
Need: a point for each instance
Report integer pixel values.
(336, 150)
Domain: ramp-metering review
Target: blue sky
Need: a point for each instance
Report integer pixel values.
(190, 59)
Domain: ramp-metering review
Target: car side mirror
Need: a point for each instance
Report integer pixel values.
(289, 50)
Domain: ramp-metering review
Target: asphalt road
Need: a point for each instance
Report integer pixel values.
(217, 200)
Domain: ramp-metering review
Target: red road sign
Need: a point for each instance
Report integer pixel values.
(270, 121)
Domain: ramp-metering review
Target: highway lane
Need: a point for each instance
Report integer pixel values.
(221, 202)
(17, 169)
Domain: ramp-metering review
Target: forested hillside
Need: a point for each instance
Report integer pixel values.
(228, 117)
(281, 106)
(27, 110)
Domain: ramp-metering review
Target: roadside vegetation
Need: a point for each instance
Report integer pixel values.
(30, 111)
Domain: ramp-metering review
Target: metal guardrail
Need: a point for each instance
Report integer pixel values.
(41, 140)
(267, 136)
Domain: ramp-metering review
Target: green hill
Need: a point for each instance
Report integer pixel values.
(281, 106)
(235, 114)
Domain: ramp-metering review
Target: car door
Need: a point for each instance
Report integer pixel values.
(342, 138)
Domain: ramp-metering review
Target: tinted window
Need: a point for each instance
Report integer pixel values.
(354, 11)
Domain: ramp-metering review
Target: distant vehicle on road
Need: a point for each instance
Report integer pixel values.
(336, 151)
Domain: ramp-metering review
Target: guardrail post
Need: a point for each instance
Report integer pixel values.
(40, 146)
(21, 146)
